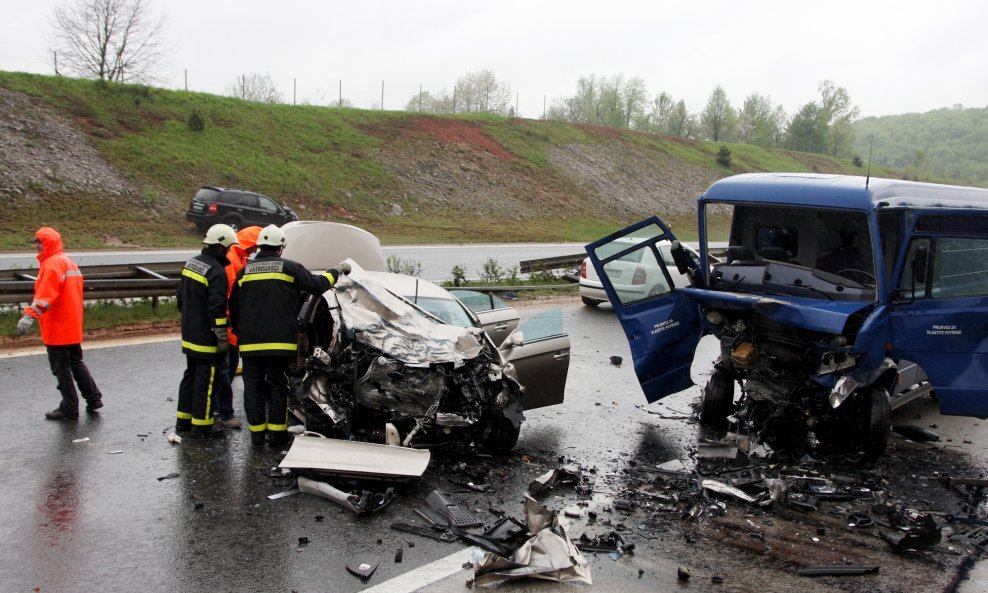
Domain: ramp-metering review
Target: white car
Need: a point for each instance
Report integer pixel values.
(635, 276)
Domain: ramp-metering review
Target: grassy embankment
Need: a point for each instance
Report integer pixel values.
(328, 163)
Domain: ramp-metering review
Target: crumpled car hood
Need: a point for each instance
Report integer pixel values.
(390, 324)
(811, 314)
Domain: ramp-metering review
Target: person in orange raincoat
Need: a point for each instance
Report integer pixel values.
(57, 305)
(238, 255)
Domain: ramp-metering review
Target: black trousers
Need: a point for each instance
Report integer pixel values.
(70, 370)
(266, 392)
(197, 390)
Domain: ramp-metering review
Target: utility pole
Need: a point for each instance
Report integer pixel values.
(420, 96)
(294, 89)
(186, 80)
(516, 105)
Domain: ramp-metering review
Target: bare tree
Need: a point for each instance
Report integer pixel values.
(109, 39)
(255, 87)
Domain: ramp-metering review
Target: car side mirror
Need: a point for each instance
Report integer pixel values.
(516, 339)
(919, 264)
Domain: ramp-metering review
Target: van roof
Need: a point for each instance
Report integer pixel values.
(842, 191)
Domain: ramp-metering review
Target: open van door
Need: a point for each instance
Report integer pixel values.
(939, 318)
(661, 325)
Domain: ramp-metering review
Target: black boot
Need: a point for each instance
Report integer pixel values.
(183, 425)
(60, 414)
(94, 405)
(208, 431)
(257, 438)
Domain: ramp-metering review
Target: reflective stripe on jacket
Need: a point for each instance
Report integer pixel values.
(202, 302)
(57, 300)
(265, 302)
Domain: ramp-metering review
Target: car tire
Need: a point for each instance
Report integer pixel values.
(234, 221)
(718, 399)
(589, 301)
(876, 412)
(502, 432)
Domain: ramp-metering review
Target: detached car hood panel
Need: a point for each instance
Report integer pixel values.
(811, 314)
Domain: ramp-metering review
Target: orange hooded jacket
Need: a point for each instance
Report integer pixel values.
(238, 255)
(57, 300)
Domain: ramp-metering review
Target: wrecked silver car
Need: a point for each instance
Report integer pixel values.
(396, 359)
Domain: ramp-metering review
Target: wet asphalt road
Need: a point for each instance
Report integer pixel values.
(95, 515)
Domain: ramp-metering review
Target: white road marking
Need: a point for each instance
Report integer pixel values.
(424, 575)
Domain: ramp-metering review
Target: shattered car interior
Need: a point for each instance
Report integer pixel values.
(839, 299)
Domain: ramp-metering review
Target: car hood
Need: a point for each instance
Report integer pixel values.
(392, 325)
(811, 314)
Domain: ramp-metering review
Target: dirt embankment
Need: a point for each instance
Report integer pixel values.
(447, 179)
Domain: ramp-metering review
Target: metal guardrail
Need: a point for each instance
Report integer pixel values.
(122, 281)
(126, 281)
(550, 263)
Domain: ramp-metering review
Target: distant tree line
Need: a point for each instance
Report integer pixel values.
(822, 126)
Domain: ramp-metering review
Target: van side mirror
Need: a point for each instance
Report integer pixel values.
(682, 259)
(919, 264)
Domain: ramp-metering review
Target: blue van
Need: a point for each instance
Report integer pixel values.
(840, 298)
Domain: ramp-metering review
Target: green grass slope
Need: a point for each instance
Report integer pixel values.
(406, 177)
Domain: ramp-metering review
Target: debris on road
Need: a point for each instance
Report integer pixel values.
(362, 565)
(916, 433)
(169, 476)
(174, 438)
(569, 474)
(836, 570)
(283, 494)
(82, 440)
(548, 555)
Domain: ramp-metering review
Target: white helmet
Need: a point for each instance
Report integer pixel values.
(271, 236)
(220, 234)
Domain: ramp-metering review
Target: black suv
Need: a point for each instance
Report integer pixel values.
(237, 208)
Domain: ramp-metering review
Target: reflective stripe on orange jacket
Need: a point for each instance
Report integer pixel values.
(57, 300)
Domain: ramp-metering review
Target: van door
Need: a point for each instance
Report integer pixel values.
(940, 311)
(662, 326)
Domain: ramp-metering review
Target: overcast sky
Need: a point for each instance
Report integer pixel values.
(891, 56)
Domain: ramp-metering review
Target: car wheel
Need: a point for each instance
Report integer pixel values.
(875, 411)
(718, 399)
(234, 221)
(504, 427)
(589, 301)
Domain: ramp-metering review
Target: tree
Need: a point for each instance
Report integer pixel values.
(718, 120)
(482, 92)
(807, 131)
(255, 87)
(109, 39)
(756, 121)
(836, 108)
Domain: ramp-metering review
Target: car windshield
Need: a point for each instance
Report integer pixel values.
(814, 252)
(446, 310)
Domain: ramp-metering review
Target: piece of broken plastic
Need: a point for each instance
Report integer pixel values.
(362, 565)
(441, 510)
(354, 459)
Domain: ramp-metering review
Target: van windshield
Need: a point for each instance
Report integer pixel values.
(814, 252)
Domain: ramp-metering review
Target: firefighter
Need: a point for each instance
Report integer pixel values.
(238, 255)
(264, 308)
(202, 302)
(58, 305)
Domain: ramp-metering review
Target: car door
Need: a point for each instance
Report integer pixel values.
(497, 318)
(269, 212)
(541, 358)
(662, 326)
(940, 317)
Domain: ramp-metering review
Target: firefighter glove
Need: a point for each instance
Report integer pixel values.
(24, 324)
(222, 342)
